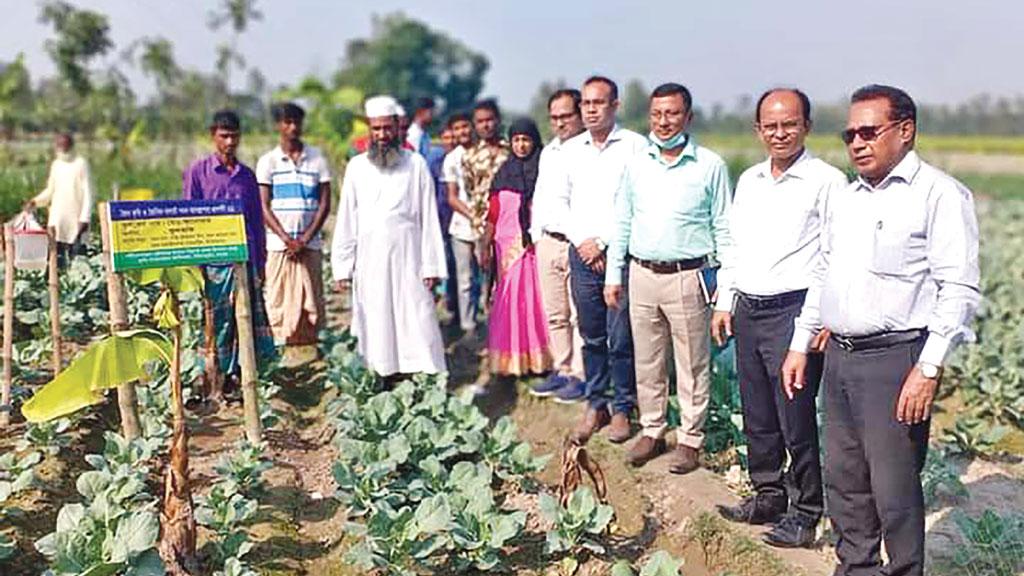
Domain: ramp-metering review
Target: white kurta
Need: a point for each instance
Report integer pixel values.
(68, 193)
(387, 239)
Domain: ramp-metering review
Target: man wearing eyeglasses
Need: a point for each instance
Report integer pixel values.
(671, 218)
(897, 287)
(775, 222)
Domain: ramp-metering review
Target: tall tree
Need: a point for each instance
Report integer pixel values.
(407, 59)
(15, 96)
(237, 15)
(157, 61)
(82, 35)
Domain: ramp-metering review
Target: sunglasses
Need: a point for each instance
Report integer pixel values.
(866, 133)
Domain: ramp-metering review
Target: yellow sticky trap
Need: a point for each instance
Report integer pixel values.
(116, 360)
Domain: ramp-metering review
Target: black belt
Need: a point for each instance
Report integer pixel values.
(880, 340)
(672, 266)
(557, 236)
(774, 301)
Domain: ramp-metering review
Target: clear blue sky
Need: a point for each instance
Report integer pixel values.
(939, 50)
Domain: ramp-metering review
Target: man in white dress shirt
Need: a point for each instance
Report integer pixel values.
(548, 228)
(594, 163)
(776, 220)
(387, 247)
(897, 288)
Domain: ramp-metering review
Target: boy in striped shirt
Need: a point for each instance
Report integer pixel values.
(295, 188)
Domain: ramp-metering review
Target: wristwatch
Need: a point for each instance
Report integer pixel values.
(930, 371)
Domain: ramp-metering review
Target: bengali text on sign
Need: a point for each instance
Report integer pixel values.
(164, 233)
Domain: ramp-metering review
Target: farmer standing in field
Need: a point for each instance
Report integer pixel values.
(775, 221)
(387, 248)
(295, 188)
(69, 195)
(480, 163)
(897, 288)
(593, 163)
(671, 219)
(460, 228)
(221, 176)
(548, 228)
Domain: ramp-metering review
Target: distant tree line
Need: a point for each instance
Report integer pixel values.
(402, 56)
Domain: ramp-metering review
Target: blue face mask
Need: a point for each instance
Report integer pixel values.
(673, 142)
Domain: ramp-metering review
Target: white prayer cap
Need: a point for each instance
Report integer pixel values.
(400, 110)
(379, 106)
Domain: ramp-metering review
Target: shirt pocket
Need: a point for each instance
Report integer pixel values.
(898, 251)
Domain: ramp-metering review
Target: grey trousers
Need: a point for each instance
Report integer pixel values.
(465, 266)
(872, 462)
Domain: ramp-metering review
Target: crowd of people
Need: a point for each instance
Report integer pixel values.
(598, 258)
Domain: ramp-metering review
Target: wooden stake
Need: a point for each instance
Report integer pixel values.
(247, 355)
(54, 281)
(126, 400)
(5, 396)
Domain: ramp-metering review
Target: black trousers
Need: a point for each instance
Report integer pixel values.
(773, 424)
(872, 462)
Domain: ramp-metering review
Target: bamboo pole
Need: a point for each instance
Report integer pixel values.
(5, 395)
(247, 355)
(126, 400)
(54, 282)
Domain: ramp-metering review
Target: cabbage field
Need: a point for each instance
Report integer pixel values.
(355, 477)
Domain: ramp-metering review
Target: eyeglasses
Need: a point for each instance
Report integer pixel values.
(562, 117)
(866, 133)
(785, 127)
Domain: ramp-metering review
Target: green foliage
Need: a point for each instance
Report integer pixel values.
(244, 466)
(972, 435)
(115, 527)
(15, 96)
(81, 36)
(578, 525)
(940, 476)
(48, 437)
(660, 563)
(993, 544)
(406, 58)
(419, 467)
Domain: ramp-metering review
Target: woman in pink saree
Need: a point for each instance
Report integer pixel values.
(517, 330)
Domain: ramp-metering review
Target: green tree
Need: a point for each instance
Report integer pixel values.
(157, 62)
(634, 107)
(237, 15)
(407, 59)
(82, 35)
(15, 96)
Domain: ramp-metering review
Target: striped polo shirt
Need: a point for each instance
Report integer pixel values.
(294, 191)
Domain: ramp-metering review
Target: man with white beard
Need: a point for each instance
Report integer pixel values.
(387, 248)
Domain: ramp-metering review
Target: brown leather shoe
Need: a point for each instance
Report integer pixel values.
(644, 450)
(684, 460)
(593, 421)
(620, 430)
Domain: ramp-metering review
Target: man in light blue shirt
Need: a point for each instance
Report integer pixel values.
(671, 220)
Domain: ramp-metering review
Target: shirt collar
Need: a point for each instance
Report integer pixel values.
(218, 165)
(302, 155)
(905, 170)
(613, 136)
(689, 151)
(797, 169)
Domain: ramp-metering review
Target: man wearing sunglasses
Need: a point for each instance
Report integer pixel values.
(897, 288)
(776, 220)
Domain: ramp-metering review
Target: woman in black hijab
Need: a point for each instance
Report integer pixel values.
(517, 336)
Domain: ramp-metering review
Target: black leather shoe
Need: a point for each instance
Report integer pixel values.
(790, 532)
(754, 510)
